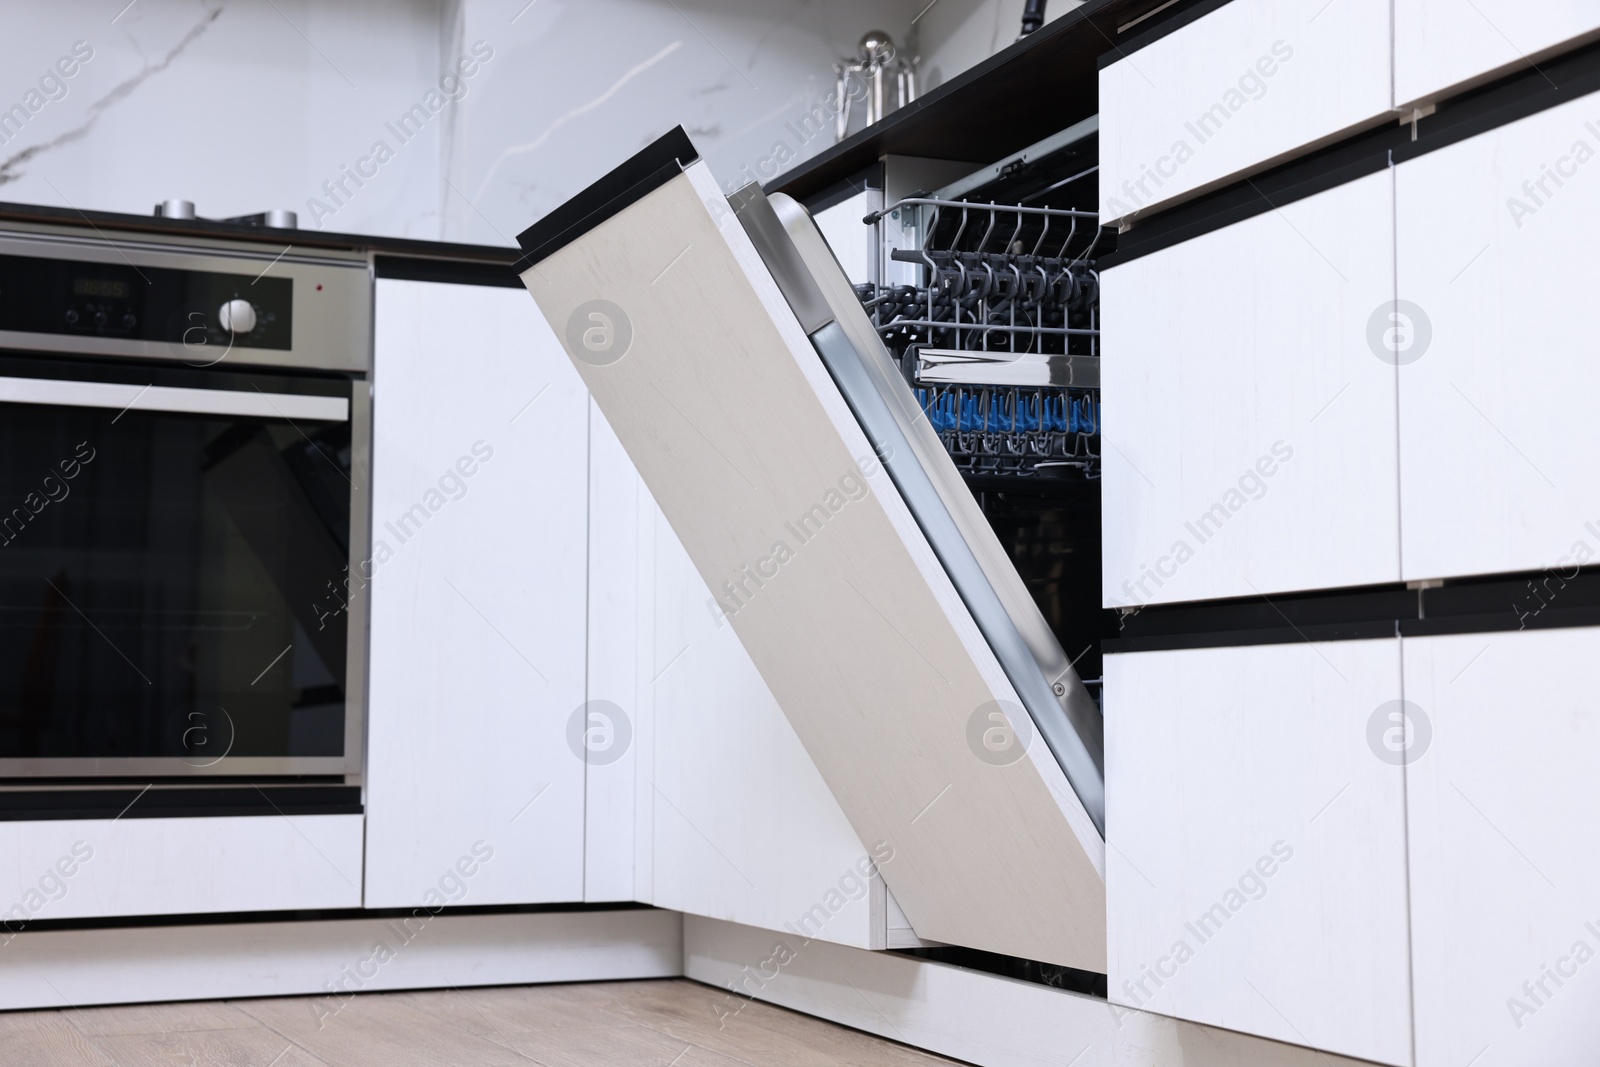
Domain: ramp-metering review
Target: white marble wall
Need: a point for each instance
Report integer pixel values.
(244, 105)
(578, 85)
(239, 106)
(954, 35)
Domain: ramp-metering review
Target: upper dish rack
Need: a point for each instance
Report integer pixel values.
(994, 318)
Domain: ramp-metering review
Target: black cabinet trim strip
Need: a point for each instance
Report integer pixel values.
(1499, 103)
(1517, 96)
(302, 915)
(450, 271)
(137, 802)
(1555, 598)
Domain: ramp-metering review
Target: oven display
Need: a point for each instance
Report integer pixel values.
(113, 290)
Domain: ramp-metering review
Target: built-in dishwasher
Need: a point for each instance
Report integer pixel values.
(820, 479)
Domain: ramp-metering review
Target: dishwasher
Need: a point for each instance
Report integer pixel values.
(824, 448)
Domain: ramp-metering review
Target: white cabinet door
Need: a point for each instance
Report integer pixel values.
(733, 819)
(1496, 408)
(1234, 91)
(1442, 45)
(480, 469)
(616, 845)
(1256, 843)
(1505, 881)
(1250, 428)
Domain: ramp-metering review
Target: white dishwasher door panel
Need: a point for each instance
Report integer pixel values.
(714, 388)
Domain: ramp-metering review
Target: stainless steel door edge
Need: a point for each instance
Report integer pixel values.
(1055, 699)
(1082, 766)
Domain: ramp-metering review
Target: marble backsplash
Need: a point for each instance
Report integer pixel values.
(460, 120)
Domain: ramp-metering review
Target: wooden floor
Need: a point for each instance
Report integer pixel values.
(673, 1023)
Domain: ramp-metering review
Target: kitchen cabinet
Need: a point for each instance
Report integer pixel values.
(1232, 92)
(1505, 928)
(129, 866)
(1443, 46)
(1494, 474)
(1249, 424)
(1256, 865)
(616, 855)
(480, 478)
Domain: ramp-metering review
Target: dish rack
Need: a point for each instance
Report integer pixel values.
(993, 313)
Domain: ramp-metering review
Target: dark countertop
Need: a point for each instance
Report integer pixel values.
(109, 223)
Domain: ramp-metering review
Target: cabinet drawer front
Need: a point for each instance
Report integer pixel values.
(1443, 46)
(1235, 90)
(101, 868)
(1502, 805)
(1250, 427)
(1496, 237)
(1257, 840)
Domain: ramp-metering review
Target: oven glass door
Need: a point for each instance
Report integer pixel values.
(174, 546)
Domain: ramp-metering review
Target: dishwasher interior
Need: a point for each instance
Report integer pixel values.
(985, 290)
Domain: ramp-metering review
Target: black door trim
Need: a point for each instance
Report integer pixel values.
(1555, 598)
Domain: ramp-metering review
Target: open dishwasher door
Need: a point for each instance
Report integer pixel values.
(727, 350)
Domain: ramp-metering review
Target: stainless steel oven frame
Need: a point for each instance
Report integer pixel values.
(333, 334)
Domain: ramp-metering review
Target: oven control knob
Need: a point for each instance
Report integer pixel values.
(237, 316)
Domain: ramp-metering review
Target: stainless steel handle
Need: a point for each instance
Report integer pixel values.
(254, 404)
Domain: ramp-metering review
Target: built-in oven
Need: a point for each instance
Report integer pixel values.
(184, 452)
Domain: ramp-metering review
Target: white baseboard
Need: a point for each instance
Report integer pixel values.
(987, 1020)
(981, 1018)
(136, 964)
